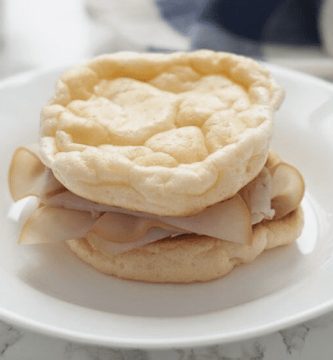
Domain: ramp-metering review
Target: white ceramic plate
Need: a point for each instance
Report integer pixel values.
(47, 289)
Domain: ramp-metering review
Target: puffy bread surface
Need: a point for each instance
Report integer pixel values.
(168, 134)
(190, 258)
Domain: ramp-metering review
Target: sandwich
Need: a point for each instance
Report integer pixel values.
(158, 168)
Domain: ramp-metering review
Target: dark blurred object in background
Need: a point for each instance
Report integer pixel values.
(231, 24)
(39, 33)
(295, 33)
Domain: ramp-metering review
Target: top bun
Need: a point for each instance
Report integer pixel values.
(168, 134)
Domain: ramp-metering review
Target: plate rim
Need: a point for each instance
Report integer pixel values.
(57, 332)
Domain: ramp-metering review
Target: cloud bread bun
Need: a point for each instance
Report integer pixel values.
(190, 258)
(168, 134)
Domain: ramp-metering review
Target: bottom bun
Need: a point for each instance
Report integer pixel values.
(190, 258)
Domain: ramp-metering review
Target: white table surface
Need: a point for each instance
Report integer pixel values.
(24, 48)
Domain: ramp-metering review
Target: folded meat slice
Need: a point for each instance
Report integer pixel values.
(68, 200)
(48, 224)
(28, 175)
(66, 216)
(152, 235)
(227, 220)
(287, 190)
(257, 195)
(123, 228)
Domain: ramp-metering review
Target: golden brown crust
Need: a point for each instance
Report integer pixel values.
(190, 258)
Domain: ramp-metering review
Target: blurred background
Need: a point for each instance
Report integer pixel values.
(46, 33)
